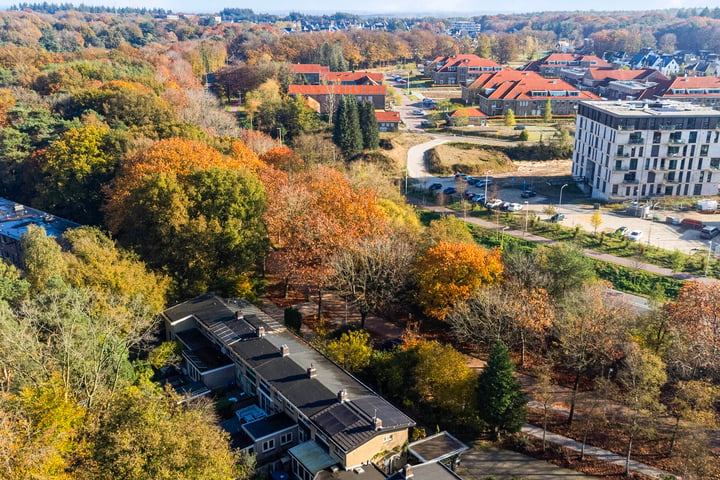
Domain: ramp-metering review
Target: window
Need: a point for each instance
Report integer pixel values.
(697, 189)
(388, 438)
(655, 151)
(672, 164)
(286, 438)
(693, 137)
(656, 137)
(715, 162)
(704, 150)
(614, 189)
(268, 445)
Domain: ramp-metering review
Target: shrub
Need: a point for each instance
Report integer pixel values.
(293, 319)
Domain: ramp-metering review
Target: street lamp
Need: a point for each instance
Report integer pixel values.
(280, 134)
(502, 238)
(526, 217)
(560, 201)
(707, 262)
(485, 199)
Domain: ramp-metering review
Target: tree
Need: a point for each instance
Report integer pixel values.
(509, 118)
(448, 229)
(346, 127)
(138, 440)
(501, 402)
(693, 404)
(373, 273)
(13, 289)
(351, 351)
(505, 48)
(524, 135)
(568, 267)
(368, 125)
(43, 258)
(449, 273)
(547, 112)
(596, 220)
(484, 46)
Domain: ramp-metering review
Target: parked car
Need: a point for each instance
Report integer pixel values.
(482, 182)
(428, 123)
(495, 203)
(557, 217)
(622, 231)
(520, 127)
(709, 232)
(449, 190)
(428, 101)
(417, 111)
(478, 198)
(514, 207)
(469, 195)
(528, 193)
(460, 176)
(435, 186)
(471, 180)
(635, 236)
(402, 81)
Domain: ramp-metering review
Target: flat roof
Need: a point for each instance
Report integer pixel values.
(312, 456)
(652, 108)
(268, 426)
(437, 447)
(15, 219)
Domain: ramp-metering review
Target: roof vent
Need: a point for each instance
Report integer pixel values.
(239, 315)
(342, 395)
(312, 371)
(377, 423)
(284, 350)
(261, 332)
(407, 471)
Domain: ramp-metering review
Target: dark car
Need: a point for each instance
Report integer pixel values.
(449, 190)
(557, 217)
(528, 193)
(436, 186)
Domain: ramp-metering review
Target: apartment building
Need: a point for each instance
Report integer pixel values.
(309, 416)
(638, 149)
(460, 69)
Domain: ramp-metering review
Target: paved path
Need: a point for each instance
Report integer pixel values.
(596, 452)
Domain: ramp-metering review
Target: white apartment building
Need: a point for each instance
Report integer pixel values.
(631, 150)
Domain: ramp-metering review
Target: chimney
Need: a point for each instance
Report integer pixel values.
(239, 315)
(377, 423)
(284, 350)
(407, 471)
(261, 332)
(312, 371)
(342, 395)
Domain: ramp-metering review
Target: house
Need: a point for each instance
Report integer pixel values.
(698, 90)
(467, 116)
(526, 93)
(326, 96)
(317, 417)
(352, 78)
(622, 84)
(14, 222)
(551, 65)
(460, 69)
(388, 121)
(310, 72)
(635, 149)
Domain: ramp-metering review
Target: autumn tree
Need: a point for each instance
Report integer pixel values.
(509, 118)
(596, 220)
(547, 111)
(43, 258)
(448, 228)
(373, 273)
(567, 266)
(692, 406)
(501, 402)
(351, 351)
(449, 273)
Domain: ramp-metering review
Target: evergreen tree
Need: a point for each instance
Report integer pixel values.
(547, 113)
(501, 402)
(368, 125)
(347, 134)
(509, 118)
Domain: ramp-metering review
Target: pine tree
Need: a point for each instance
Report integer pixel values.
(509, 118)
(547, 113)
(501, 402)
(368, 125)
(347, 134)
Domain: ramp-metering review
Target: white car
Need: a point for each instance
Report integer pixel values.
(418, 112)
(635, 236)
(514, 207)
(493, 203)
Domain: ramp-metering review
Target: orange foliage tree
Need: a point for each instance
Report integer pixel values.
(449, 273)
(283, 158)
(695, 317)
(313, 216)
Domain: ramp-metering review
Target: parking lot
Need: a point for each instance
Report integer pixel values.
(655, 231)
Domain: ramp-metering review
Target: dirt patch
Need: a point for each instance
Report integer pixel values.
(545, 168)
(401, 143)
(472, 161)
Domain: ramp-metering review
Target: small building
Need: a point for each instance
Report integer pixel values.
(310, 72)
(697, 90)
(388, 121)
(467, 116)
(352, 78)
(15, 219)
(460, 69)
(327, 96)
(551, 65)
(637, 149)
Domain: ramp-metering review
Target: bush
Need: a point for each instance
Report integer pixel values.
(636, 281)
(293, 319)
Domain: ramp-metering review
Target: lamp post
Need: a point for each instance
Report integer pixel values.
(707, 261)
(280, 134)
(560, 201)
(486, 183)
(526, 217)
(502, 238)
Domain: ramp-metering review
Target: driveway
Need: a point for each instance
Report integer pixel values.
(479, 463)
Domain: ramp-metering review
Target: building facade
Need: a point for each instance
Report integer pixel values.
(461, 69)
(311, 412)
(328, 96)
(639, 149)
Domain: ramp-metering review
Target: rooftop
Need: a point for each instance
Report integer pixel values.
(427, 471)
(387, 116)
(337, 89)
(653, 108)
(16, 218)
(437, 447)
(312, 456)
(271, 425)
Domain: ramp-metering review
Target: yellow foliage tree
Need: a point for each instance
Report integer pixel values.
(351, 351)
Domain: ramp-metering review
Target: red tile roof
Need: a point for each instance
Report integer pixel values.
(608, 74)
(387, 117)
(308, 68)
(515, 84)
(465, 61)
(468, 112)
(337, 90)
(338, 77)
(565, 58)
(684, 83)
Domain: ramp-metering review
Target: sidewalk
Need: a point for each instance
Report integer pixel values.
(626, 262)
(596, 452)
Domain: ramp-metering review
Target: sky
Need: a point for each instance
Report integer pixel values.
(406, 7)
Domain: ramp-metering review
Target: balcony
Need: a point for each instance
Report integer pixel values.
(622, 169)
(676, 141)
(636, 141)
(630, 182)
